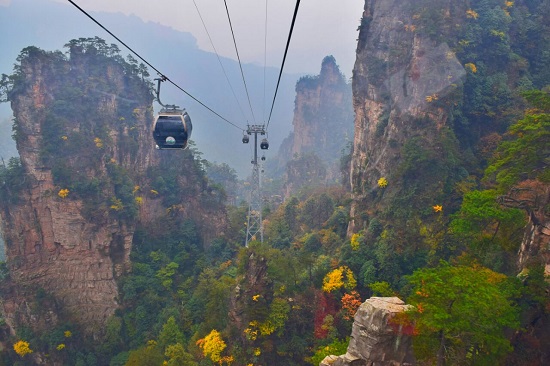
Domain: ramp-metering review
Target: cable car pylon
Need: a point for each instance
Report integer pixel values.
(254, 225)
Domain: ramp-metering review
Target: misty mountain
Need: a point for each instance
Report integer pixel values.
(50, 25)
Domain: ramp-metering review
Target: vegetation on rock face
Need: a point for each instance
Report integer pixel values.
(460, 188)
(434, 234)
(74, 138)
(12, 181)
(523, 154)
(89, 141)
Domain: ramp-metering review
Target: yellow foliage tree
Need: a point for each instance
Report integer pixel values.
(471, 66)
(382, 182)
(212, 346)
(438, 208)
(351, 282)
(334, 280)
(472, 14)
(63, 193)
(116, 204)
(22, 348)
(355, 241)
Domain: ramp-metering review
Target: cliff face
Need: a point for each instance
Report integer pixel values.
(424, 115)
(323, 124)
(403, 85)
(534, 198)
(50, 245)
(83, 132)
(322, 113)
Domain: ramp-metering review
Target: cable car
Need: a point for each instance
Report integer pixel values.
(172, 128)
(245, 139)
(264, 145)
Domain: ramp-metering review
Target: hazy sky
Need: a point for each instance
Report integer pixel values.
(323, 27)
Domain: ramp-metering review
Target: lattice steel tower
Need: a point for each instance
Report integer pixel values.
(254, 225)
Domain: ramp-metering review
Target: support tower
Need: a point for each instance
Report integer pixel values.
(254, 227)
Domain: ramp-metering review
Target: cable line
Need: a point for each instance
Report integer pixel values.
(152, 67)
(220, 61)
(284, 58)
(240, 65)
(265, 58)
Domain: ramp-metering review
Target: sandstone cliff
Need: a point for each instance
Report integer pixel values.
(89, 175)
(534, 198)
(424, 118)
(419, 125)
(323, 127)
(375, 340)
(403, 85)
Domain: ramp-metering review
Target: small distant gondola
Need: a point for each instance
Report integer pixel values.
(172, 127)
(264, 145)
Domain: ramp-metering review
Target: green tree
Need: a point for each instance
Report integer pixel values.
(223, 175)
(291, 214)
(150, 355)
(337, 347)
(490, 231)
(277, 231)
(461, 313)
(167, 273)
(526, 152)
(7, 145)
(317, 210)
(12, 180)
(178, 357)
(170, 333)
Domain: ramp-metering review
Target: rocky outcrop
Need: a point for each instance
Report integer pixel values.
(323, 127)
(417, 129)
(533, 197)
(84, 123)
(253, 282)
(375, 340)
(403, 83)
(322, 112)
(51, 247)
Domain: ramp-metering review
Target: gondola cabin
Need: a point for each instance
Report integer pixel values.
(172, 128)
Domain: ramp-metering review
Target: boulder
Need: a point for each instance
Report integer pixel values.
(375, 340)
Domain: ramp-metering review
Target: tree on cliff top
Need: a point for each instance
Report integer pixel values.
(461, 313)
(525, 153)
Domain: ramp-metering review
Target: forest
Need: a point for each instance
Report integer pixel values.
(446, 241)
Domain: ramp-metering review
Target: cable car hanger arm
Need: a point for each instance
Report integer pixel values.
(160, 80)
